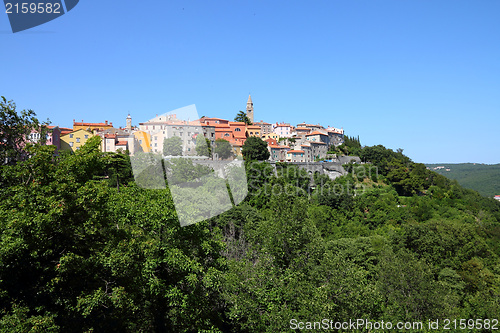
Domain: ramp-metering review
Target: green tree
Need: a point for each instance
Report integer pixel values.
(14, 129)
(172, 146)
(223, 148)
(242, 117)
(255, 148)
(203, 146)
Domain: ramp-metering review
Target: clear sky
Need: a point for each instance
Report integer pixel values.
(422, 75)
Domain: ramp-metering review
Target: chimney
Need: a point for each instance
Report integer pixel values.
(106, 122)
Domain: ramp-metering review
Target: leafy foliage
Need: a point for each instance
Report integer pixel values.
(203, 147)
(242, 117)
(223, 148)
(80, 254)
(172, 146)
(255, 148)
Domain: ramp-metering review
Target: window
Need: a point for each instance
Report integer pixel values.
(140, 142)
(86, 136)
(237, 130)
(156, 138)
(71, 136)
(77, 140)
(156, 145)
(71, 143)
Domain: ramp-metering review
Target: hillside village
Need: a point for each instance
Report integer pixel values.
(286, 143)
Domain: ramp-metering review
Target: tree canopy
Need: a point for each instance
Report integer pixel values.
(15, 128)
(255, 148)
(223, 148)
(172, 146)
(389, 240)
(203, 147)
(242, 117)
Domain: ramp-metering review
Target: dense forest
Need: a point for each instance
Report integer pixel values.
(484, 178)
(84, 249)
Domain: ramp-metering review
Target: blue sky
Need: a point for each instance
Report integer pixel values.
(414, 74)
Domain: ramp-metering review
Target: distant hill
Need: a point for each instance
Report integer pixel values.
(484, 178)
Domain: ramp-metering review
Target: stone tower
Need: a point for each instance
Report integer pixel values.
(129, 122)
(250, 108)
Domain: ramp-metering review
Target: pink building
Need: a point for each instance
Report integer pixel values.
(53, 136)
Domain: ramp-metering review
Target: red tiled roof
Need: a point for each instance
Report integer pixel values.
(295, 151)
(316, 133)
(93, 124)
(253, 127)
(271, 141)
(121, 143)
(318, 143)
(208, 118)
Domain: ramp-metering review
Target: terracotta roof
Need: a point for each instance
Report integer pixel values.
(253, 127)
(295, 151)
(237, 123)
(271, 141)
(222, 129)
(208, 118)
(262, 123)
(93, 124)
(110, 136)
(315, 133)
(279, 147)
(220, 125)
(318, 143)
(121, 143)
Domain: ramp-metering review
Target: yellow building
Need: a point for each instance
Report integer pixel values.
(143, 139)
(270, 136)
(253, 130)
(74, 140)
(237, 148)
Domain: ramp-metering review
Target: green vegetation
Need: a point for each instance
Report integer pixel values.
(223, 148)
(255, 149)
(242, 117)
(389, 241)
(203, 147)
(350, 147)
(172, 146)
(483, 178)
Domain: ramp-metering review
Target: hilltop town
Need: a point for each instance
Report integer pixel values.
(286, 143)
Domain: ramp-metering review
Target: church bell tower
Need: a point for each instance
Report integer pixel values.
(250, 108)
